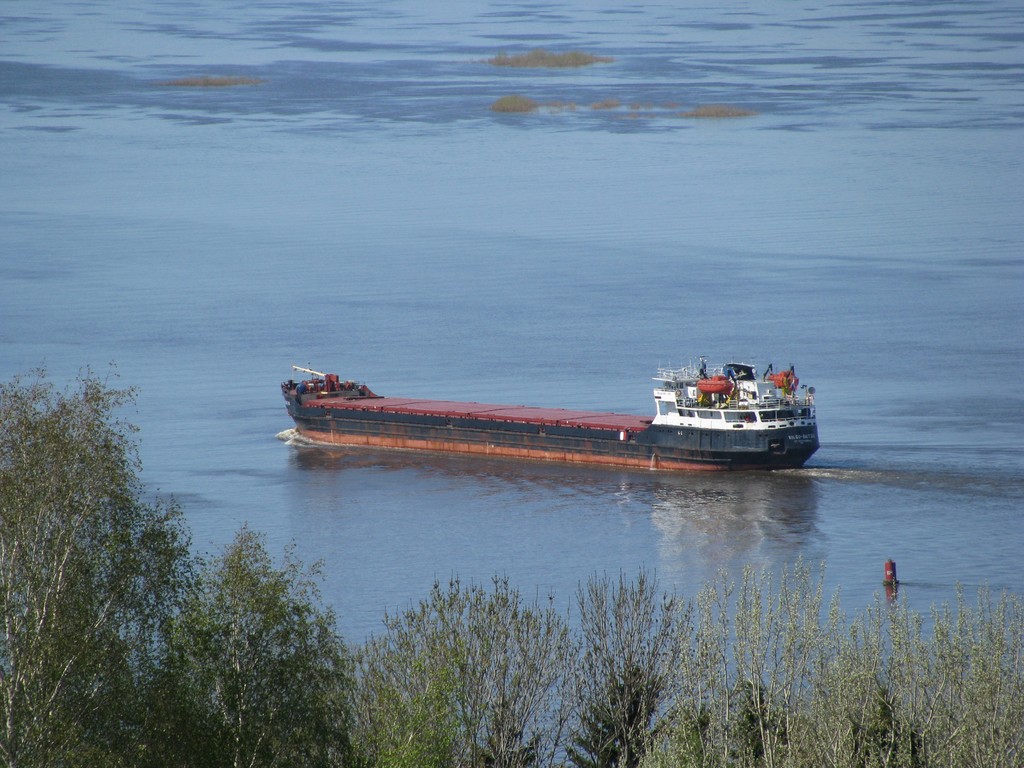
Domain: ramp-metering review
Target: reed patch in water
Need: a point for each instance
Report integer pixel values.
(212, 81)
(539, 57)
(632, 110)
(718, 111)
(515, 103)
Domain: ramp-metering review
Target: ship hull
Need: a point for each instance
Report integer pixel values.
(628, 442)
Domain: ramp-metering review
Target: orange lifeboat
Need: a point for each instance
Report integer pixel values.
(716, 385)
(786, 380)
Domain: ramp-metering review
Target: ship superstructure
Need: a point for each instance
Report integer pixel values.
(732, 397)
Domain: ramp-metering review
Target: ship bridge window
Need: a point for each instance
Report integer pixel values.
(665, 407)
(747, 416)
(709, 415)
(782, 415)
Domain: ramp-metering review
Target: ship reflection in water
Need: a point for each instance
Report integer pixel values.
(732, 521)
(686, 526)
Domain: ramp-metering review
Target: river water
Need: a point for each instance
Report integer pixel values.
(363, 210)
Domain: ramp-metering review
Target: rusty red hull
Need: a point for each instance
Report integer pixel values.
(651, 461)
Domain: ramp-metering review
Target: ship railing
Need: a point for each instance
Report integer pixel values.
(687, 373)
(771, 402)
(675, 375)
(781, 402)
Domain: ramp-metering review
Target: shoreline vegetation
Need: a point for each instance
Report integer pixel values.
(211, 81)
(121, 647)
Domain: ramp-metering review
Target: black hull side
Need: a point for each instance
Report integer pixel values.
(657, 447)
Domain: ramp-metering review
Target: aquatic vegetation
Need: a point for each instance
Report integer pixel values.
(718, 111)
(539, 57)
(212, 81)
(515, 103)
(636, 109)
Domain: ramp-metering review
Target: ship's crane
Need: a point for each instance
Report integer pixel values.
(309, 370)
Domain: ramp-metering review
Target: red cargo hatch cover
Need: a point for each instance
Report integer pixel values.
(520, 413)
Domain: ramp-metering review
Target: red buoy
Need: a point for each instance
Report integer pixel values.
(890, 573)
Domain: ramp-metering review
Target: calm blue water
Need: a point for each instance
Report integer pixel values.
(364, 211)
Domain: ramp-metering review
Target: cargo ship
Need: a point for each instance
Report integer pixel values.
(724, 418)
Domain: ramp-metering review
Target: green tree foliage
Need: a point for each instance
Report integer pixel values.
(632, 642)
(89, 576)
(774, 678)
(756, 674)
(260, 677)
(470, 677)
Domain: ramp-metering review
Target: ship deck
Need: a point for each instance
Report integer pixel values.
(509, 413)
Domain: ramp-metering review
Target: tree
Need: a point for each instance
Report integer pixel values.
(406, 713)
(262, 677)
(471, 677)
(89, 576)
(632, 643)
